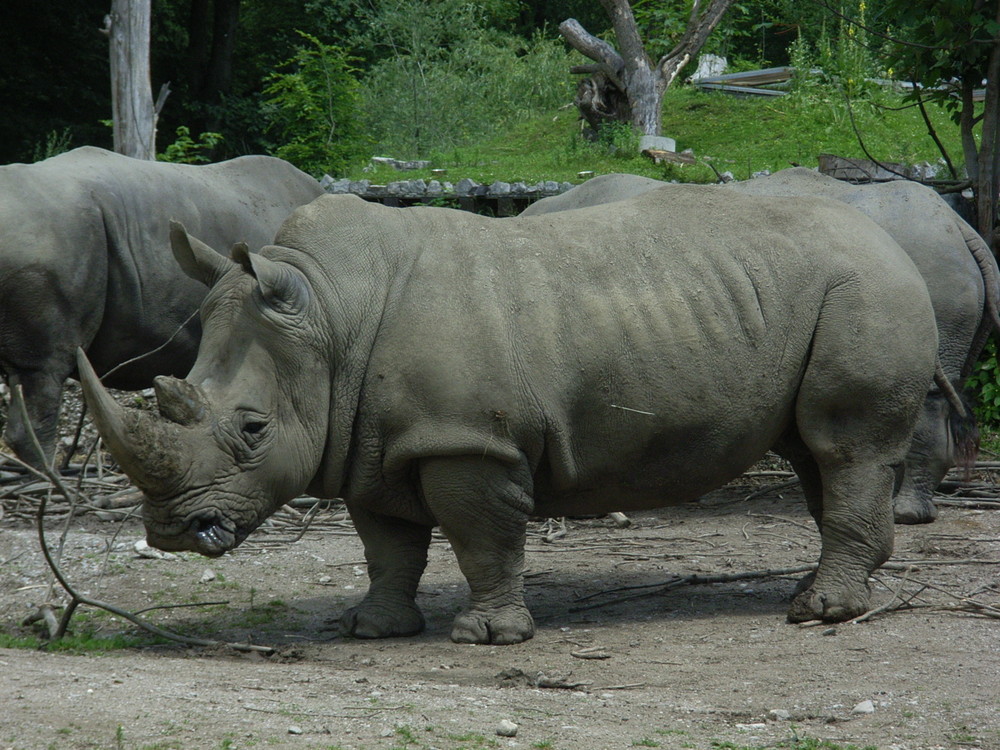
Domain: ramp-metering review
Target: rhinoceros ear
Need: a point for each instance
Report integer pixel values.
(283, 288)
(197, 259)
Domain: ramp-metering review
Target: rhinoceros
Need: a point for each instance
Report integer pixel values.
(957, 266)
(85, 262)
(437, 368)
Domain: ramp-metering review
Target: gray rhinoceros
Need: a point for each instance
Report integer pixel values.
(85, 262)
(434, 367)
(957, 266)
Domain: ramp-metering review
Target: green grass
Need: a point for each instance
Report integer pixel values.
(739, 135)
(79, 643)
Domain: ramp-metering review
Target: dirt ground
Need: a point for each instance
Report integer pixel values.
(619, 660)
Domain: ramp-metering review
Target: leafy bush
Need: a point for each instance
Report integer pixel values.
(451, 77)
(619, 138)
(315, 108)
(187, 150)
(985, 382)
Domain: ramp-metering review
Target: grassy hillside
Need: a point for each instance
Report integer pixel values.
(741, 136)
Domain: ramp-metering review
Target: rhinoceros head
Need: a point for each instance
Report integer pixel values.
(244, 432)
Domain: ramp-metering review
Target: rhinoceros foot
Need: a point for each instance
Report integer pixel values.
(378, 620)
(911, 509)
(502, 625)
(828, 605)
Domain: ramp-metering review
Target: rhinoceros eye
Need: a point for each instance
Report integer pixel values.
(253, 430)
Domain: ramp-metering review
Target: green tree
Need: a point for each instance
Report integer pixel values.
(949, 48)
(314, 106)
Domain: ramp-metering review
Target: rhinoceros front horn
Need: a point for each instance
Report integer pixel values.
(145, 446)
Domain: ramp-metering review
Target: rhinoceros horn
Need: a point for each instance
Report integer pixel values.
(146, 447)
(180, 401)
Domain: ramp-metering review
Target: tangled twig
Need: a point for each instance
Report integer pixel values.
(76, 599)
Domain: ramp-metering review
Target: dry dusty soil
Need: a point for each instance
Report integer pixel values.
(619, 660)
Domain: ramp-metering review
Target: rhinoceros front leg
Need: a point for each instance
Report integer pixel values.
(483, 510)
(396, 552)
(42, 394)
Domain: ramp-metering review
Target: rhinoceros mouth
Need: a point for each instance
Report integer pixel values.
(214, 537)
(208, 534)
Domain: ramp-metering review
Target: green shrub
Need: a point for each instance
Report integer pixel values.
(985, 383)
(840, 60)
(451, 78)
(314, 107)
(619, 139)
(56, 142)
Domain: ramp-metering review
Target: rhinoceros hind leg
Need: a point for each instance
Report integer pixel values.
(500, 626)
(829, 606)
(396, 552)
(913, 509)
(483, 506)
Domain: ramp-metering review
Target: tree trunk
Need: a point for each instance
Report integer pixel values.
(133, 114)
(600, 101)
(640, 85)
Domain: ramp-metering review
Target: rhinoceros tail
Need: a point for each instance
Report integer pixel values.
(962, 427)
(965, 437)
(991, 282)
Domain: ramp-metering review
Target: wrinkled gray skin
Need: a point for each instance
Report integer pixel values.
(955, 263)
(85, 262)
(434, 367)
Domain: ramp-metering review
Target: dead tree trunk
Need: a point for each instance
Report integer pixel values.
(626, 86)
(133, 112)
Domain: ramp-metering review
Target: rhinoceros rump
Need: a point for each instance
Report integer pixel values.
(85, 262)
(433, 367)
(957, 266)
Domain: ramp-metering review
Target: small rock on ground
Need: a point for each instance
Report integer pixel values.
(507, 729)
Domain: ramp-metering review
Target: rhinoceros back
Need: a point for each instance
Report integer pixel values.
(610, 349)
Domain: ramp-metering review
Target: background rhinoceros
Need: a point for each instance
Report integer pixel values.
(957, 266)
(433, 367)
(605, 188)
(85, 262)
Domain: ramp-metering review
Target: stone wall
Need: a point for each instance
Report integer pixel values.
(498, 198)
